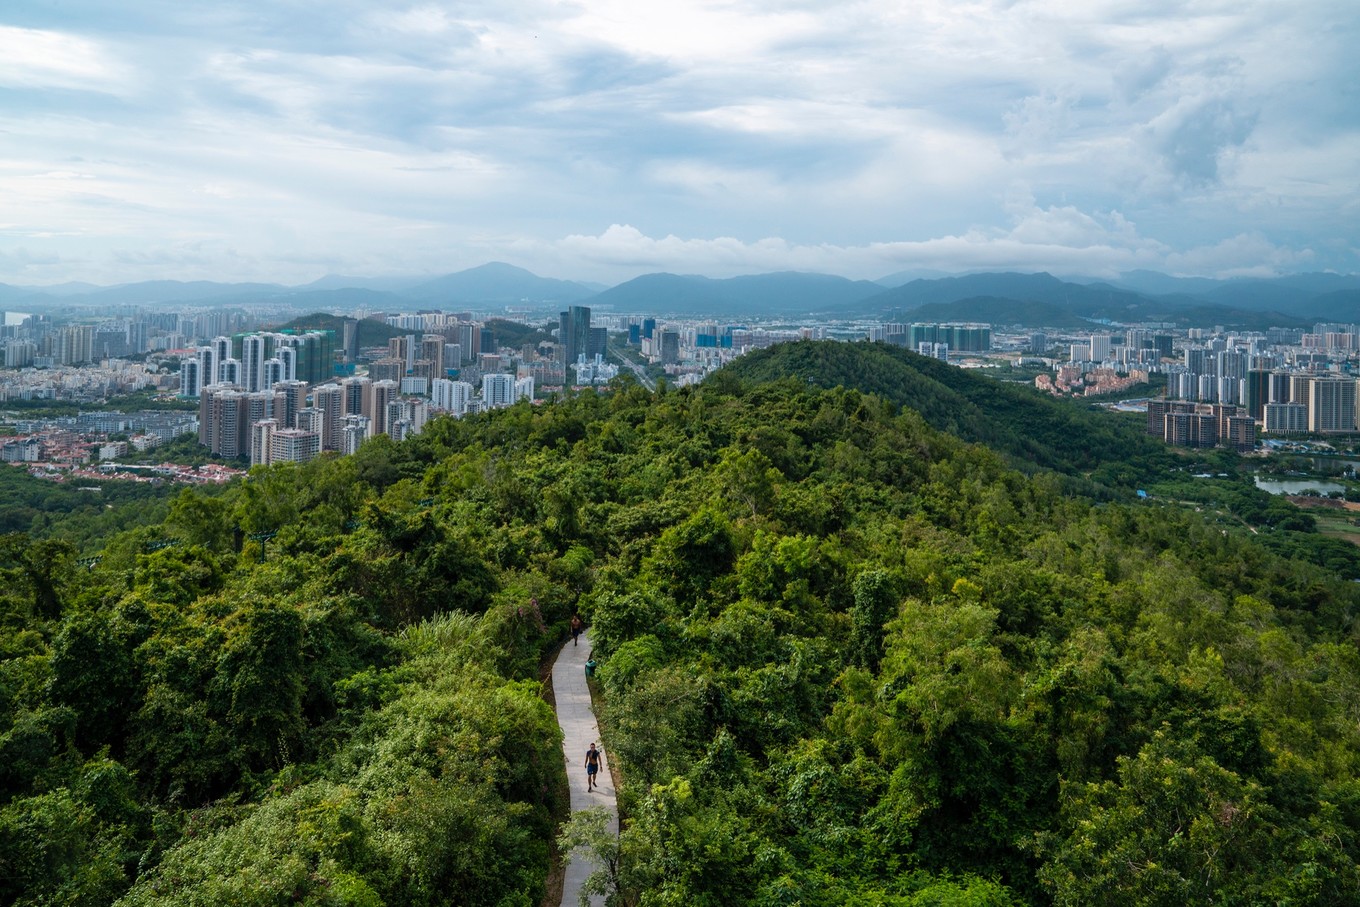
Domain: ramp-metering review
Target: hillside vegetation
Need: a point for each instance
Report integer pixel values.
(846, 658)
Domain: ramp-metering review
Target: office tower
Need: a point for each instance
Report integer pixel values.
(573, 334)
(498, 390)
(1164, 346)
(350, 340)
(261, 434)
(330, 399)
(648, 328)
(1331, 404)
(469, 342)
(670, 347)
(1038, 343)
(599, 343)
(189, 385)
(453, 359)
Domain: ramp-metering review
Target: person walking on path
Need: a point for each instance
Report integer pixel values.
(576, 627)
(592, 766)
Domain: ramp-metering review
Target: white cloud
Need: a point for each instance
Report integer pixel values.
(37, 58)
(865, 136)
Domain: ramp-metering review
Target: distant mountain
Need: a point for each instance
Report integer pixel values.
(379, 284)
(784, 293)
(901, 277)
(1034, 299)
(12, 295)
(1154, 283)
(497, 282)
(344, 299)
(1342, 305)
(1042, 287)
(997, 311)
(70, 288)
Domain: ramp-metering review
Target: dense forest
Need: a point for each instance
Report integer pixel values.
(846, 657)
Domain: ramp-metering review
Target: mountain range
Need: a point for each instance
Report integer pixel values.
(1003, 298)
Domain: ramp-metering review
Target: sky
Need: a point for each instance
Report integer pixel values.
(281, 140)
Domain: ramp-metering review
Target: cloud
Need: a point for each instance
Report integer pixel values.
(843, 137)
(39, 58)
(1062, 240)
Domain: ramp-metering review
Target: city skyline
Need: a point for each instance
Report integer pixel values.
(599, 141)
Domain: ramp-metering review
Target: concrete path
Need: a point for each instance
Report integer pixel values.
(579, 730)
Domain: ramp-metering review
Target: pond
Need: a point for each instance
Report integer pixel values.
(1297, 486)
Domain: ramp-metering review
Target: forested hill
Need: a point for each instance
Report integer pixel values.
(844, 658)
(1030, 427)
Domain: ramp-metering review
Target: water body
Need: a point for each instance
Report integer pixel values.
(1297, 486)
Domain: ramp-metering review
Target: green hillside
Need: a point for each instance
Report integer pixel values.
(845, 658)
(1032, 429)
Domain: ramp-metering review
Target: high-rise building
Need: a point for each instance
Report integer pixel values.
(353, 433)
(498, 390)
(294, 399)
(670, 347)
(313, 419)
(254, 352)
(1285, 418)
(1331, 404)
(293, 445)
(379, 394)
(355, 390)
(261, 436)
(330, 399)
(224, 421)
(1100, 347)
(189, 385)
(451, 396)
(573, 334)
(288, 359)
(432, 350)
(1256, 392)
(229, 371)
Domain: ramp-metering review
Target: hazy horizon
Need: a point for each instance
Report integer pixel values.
(279, 142)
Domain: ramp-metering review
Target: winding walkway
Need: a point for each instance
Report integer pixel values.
(579, 730)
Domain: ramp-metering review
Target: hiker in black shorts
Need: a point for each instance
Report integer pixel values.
(592, 766)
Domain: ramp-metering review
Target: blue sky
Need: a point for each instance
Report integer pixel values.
(284, 139)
